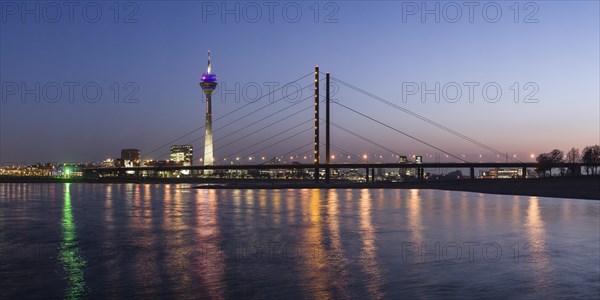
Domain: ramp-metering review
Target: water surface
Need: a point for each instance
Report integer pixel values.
(145, 240)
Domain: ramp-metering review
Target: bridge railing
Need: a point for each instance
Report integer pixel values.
(352, 171)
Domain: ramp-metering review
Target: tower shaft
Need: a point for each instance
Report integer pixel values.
(208, 137)
(208, 84)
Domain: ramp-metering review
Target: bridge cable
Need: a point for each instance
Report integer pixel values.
(480, 144)
(352, 156)
(246, 115)
(283, 155)
(401, 132)
(227, 114)
(282, 140)
(365, 139)
(271, 137)
(260, 129)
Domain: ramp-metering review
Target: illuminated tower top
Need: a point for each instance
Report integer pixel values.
(208, 69)
(209, 76)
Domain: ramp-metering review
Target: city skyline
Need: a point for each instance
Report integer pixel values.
(555, 57)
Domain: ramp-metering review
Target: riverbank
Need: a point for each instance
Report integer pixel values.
(557, 187)
(579, 187)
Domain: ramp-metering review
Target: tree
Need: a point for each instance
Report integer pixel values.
(546, 160)
(591, 155)
(573, 156)
(543, 160)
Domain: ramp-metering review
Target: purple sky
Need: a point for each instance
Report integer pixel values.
(155, 52)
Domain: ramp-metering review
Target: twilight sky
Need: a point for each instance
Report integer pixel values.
(151, 54)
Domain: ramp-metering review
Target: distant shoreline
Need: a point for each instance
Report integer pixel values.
(579, 187)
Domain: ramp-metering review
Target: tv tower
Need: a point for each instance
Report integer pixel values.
(208, 84)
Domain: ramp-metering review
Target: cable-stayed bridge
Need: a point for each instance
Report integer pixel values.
(266, 128)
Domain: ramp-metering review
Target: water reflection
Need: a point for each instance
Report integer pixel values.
(339, 261)
(276, 206)
(164, 241)
(315, 276)
(70, 255)
(210, 259)
(176, 247)
(535, 250)
(534, 224)
(109, 240)
(447, 205)
(414, 216)
(369, 249)
(146, 262)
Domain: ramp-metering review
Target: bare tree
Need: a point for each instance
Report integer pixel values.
(591, 155)
(546, 160)
(544, 164)
(573, 156)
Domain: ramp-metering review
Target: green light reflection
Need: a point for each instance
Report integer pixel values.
(73, 262)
